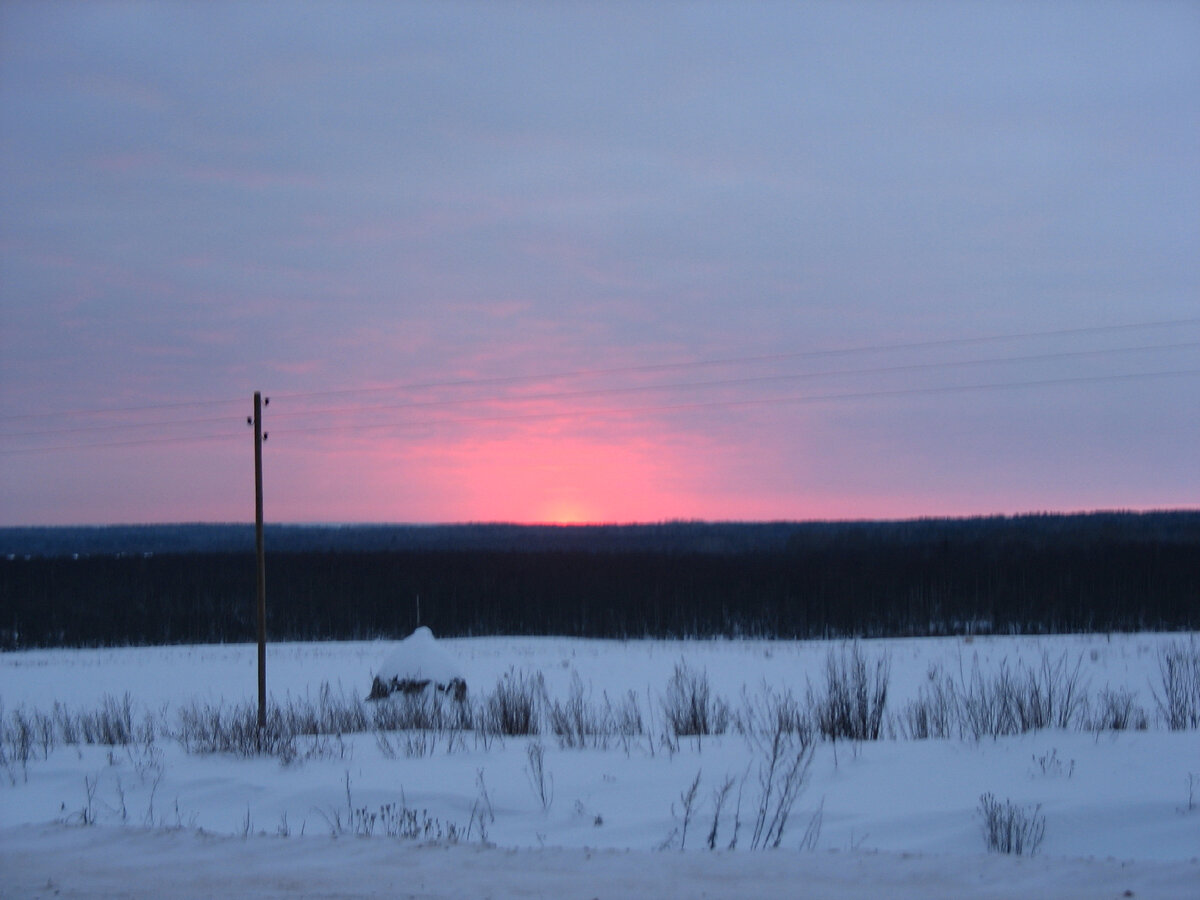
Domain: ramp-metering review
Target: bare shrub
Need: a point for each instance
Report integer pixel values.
(720, 796)
(24, 732)
(578, 724)
(1009, 828)
(18, 736)
(812, 833)
(689, 707)
(405, 712)
(329, 713)
(512, 708)
(394, 820)
(111, 724)
(66, 724)
(625, 715)
(45, 732)
(784, 760)
(855, 696)
(87, 813)
(540, 780)
(1011, 701)
(934, 712)
(429, 710)
(769, 712)
(204, 728)
(984, 704)
(416, 743)
(1016, 701)
(5, 762)
(1049, 696)
(687, 802)
(1115, 711)
(1178, 695)
(1051, 765)
(312, 727)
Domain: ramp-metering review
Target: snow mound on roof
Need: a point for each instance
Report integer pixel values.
(419, 657)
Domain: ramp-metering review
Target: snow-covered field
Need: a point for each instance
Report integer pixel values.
(893, 817)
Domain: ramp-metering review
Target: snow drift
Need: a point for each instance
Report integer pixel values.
(417, 664)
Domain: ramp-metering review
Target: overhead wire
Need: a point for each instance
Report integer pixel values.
(115, 410)
(136, 442)
(613, 391)
(742, 360)
(499, 398)
(672, 407)
(117, 426)
(760, 401)
(732, 382)
(633, 369)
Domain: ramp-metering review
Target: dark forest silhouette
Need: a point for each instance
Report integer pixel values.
(196, 583)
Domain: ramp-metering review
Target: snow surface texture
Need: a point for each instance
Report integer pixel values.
(105, 862)
(897, 818)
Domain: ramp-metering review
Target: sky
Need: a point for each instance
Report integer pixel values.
(598, 262)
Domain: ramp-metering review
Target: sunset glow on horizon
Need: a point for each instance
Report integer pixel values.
(574, 264)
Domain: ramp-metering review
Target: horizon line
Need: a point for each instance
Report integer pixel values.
(503, 523)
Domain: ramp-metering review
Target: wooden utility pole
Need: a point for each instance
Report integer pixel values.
(262, 568)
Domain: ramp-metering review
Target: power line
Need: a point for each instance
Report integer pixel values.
(139, 442)
(621, 370)
(117, 426)
(761, 401)
(672, 407)
(731, 382)
(775, 357)
(602, 392)
(115, 410)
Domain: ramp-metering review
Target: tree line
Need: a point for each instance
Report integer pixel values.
(1037, 574)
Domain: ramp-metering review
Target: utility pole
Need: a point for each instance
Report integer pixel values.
(262, 568)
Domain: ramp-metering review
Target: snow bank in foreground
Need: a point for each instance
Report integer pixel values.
(898, 818)
(104, 861)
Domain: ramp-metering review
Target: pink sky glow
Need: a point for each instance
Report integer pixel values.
(573, 263)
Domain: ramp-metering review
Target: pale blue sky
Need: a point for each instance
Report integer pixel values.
(202, 199)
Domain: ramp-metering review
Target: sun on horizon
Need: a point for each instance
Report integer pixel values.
(567, 512)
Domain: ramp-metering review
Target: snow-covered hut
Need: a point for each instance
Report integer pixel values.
(418, 663)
